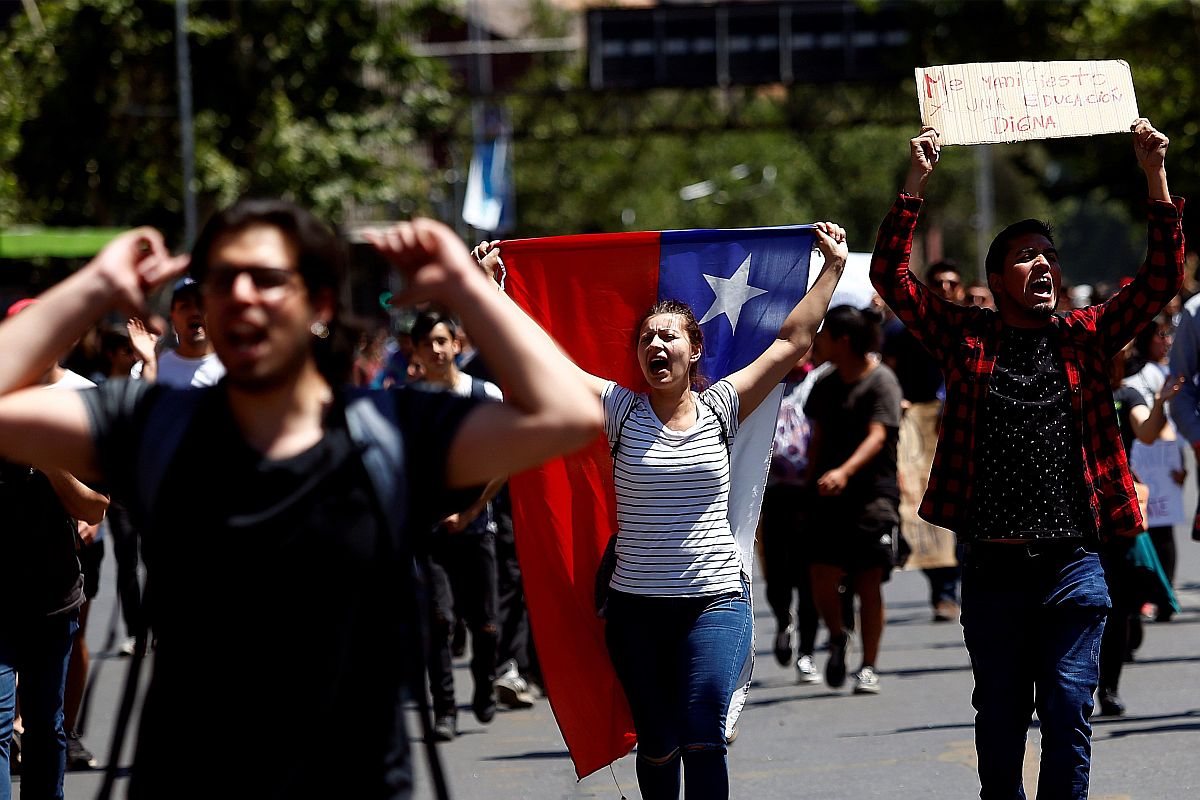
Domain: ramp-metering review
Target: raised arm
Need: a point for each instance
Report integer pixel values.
(755, 381)
(143, 342)
(1148, 422)
(1158, 279)
(548, 409)
(49, 429)
(488, 255)
(930, 318)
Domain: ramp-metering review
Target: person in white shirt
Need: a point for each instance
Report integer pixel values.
(462, 552)
(193, 362)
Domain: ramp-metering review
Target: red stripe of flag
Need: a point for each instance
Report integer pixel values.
(588, 292)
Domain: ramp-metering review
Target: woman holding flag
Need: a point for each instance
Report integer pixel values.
(679, 626)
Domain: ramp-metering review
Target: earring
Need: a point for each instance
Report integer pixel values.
(319, 329)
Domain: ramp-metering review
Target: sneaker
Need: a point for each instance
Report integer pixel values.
(835, 667)
(511, 689)
(128, 646)
(806, 670)
(783, 646)
(866, 681)
(1110, 704)
(945, 611)
(445, 728)
(78, 756)
(484, 703)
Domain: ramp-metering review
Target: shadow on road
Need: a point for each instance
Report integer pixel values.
(533, 755)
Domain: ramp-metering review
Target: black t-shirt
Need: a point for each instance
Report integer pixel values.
(1126, 398)
(39, 569)
(281, 607)
(919, 375)
(844, 412)
(1029, 464)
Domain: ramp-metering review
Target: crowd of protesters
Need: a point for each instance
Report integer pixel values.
(266, 482)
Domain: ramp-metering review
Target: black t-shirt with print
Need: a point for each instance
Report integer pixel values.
(280, 606)
(1029, 463)
(844, 412)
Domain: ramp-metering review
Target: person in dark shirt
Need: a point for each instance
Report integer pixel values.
(1030, 470)
(855, 416)
(44, 590)
(286, 559)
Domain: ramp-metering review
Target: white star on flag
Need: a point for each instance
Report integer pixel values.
(731, 294)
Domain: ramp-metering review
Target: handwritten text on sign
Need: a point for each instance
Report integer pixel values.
(1014, 101)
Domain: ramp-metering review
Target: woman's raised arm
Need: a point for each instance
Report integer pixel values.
(755, 381)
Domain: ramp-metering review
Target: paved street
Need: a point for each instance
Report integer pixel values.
(913, 740)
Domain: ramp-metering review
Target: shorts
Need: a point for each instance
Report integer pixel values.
(856, 536)
(90, 556)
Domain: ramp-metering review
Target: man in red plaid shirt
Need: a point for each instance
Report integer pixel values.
(1030, 471)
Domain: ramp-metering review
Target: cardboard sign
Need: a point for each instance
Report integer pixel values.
(1153, 465)
(1015, 101)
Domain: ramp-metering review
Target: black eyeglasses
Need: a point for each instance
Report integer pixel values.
(269, 282)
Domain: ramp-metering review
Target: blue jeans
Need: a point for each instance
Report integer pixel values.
(680, 660)
(38, 651)
(1032, 626)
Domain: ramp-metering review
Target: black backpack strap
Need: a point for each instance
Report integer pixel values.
(165, 427)
(166, 424)
(478, 388)
(374, 427)
(621, 426)
(725, 439)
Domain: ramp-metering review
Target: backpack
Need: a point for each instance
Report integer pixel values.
(789, 448)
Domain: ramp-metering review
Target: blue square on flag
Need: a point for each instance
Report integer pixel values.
(741, 284)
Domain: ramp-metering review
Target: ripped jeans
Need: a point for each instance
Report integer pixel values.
(680, 661)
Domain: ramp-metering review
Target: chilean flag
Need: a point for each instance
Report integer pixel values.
(589, 292)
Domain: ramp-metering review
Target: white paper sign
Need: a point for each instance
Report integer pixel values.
(1014, 101)
(1153, 464)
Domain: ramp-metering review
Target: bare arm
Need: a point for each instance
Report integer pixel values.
(81, 501)
(834, 481)
(488, 255)
(548, 410)
(1148, 423)
(459, 521)
(755, 381)
(143, 343)
(49, 429)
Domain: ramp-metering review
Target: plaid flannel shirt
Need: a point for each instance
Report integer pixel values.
(965, 340)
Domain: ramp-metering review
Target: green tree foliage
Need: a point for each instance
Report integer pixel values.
(602, 161)
(316, 100)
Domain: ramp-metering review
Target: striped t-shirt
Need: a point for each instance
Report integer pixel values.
(672, 489)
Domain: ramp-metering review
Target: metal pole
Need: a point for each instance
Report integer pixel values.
(985, 206)
(187, 133)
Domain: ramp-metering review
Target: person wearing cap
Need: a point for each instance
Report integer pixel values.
(193, 362)
(1030, 470)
